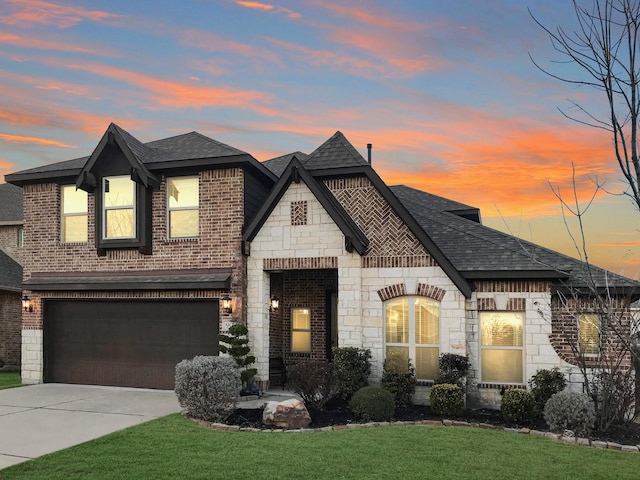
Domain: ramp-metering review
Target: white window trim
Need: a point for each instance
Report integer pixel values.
(133, 207)
(493, 347)
(177, 209)
(20, 237)
(412, 329)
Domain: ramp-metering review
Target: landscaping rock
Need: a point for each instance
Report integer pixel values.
(289, 414)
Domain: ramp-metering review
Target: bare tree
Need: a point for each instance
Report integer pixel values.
(603, 45)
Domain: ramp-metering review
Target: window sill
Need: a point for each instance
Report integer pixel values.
(500, 386)
(183, 240)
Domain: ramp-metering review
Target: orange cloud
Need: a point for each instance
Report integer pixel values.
(29, 12)
(215, 43)
(21, 139)
(49, 44)
(326, 58)
(174, 94)
(268, 8)
(379, 19)
(256, 5)
(619, 244)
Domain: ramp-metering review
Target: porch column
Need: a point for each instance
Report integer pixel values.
(350, 302)
(258, 316)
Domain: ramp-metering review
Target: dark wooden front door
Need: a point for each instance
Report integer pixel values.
(125, 343)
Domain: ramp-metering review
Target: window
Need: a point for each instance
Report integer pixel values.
(74, 214)
(20, 237)
(413, 331)
(589, 333)
(119, 211)
(501, 347)
(300, 330)
(182, 204)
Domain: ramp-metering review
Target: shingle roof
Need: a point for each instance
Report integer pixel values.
(187, 146)
(10, 273)
(335, 152)
(278, 164)
(10, 203)
(475, 249)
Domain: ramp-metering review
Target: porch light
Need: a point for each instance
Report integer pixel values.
(226, 303)
(275, 303)
(26, 303)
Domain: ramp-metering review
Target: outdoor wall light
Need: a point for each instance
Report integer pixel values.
(275, 303)
(26, 303)
(226, 303)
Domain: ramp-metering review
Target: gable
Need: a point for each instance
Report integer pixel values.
(388, 235)
(299, 226)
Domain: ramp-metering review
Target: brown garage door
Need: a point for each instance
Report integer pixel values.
(125, 343)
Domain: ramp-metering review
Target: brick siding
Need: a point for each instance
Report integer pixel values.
(218, 246)
(9, 241)
(564, 333)
(391, 243)
(10, 331)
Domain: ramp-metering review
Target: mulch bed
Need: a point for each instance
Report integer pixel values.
(339, 414)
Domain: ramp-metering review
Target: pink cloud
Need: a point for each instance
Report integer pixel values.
(29, 12)
(22, 139)
(267, 7)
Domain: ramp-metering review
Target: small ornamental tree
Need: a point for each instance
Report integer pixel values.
(236, 344)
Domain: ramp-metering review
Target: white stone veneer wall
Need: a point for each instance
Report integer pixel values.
(360, 310)
(32, 356)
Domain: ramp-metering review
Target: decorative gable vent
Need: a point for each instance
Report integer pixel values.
(299, 213)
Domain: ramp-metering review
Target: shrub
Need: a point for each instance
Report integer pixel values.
(352, 368)
(447, 399)
(567, 410)
(208, 388)
(399, 378)
(314, 381)
(372, 404)
(518, 405)
(543, 384)
(236, 344)
(453, 368)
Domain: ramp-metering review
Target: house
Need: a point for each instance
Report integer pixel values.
(11, 241)
(140, 254)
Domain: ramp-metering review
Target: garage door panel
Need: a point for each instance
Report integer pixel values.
(126, 343)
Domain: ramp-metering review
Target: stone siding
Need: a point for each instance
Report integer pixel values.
(9, 242)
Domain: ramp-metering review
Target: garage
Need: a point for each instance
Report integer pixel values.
(132, 343)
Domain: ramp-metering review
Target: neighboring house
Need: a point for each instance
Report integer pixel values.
(11, 251)
(135, 251)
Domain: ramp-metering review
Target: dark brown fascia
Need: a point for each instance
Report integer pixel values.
(216, 279)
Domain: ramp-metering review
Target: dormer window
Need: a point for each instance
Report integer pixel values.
(122, 186)
(119, 207)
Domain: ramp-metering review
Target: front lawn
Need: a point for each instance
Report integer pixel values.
(10, 380)
(173, 447)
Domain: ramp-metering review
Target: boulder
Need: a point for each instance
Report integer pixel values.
(289, 414)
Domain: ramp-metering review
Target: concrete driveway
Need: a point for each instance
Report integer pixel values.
(40, 419)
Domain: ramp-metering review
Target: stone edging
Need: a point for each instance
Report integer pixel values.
(447, 423)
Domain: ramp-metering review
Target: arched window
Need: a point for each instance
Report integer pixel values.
(412, 327)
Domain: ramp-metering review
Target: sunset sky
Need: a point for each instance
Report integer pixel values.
(444, 90)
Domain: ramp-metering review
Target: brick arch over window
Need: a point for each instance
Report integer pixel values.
(426, 290)
(400, 290)
(392, 291)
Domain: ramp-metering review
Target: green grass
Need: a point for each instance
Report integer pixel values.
(10, 380)
(175, 448)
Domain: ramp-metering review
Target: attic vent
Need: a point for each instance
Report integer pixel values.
(299, 212)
